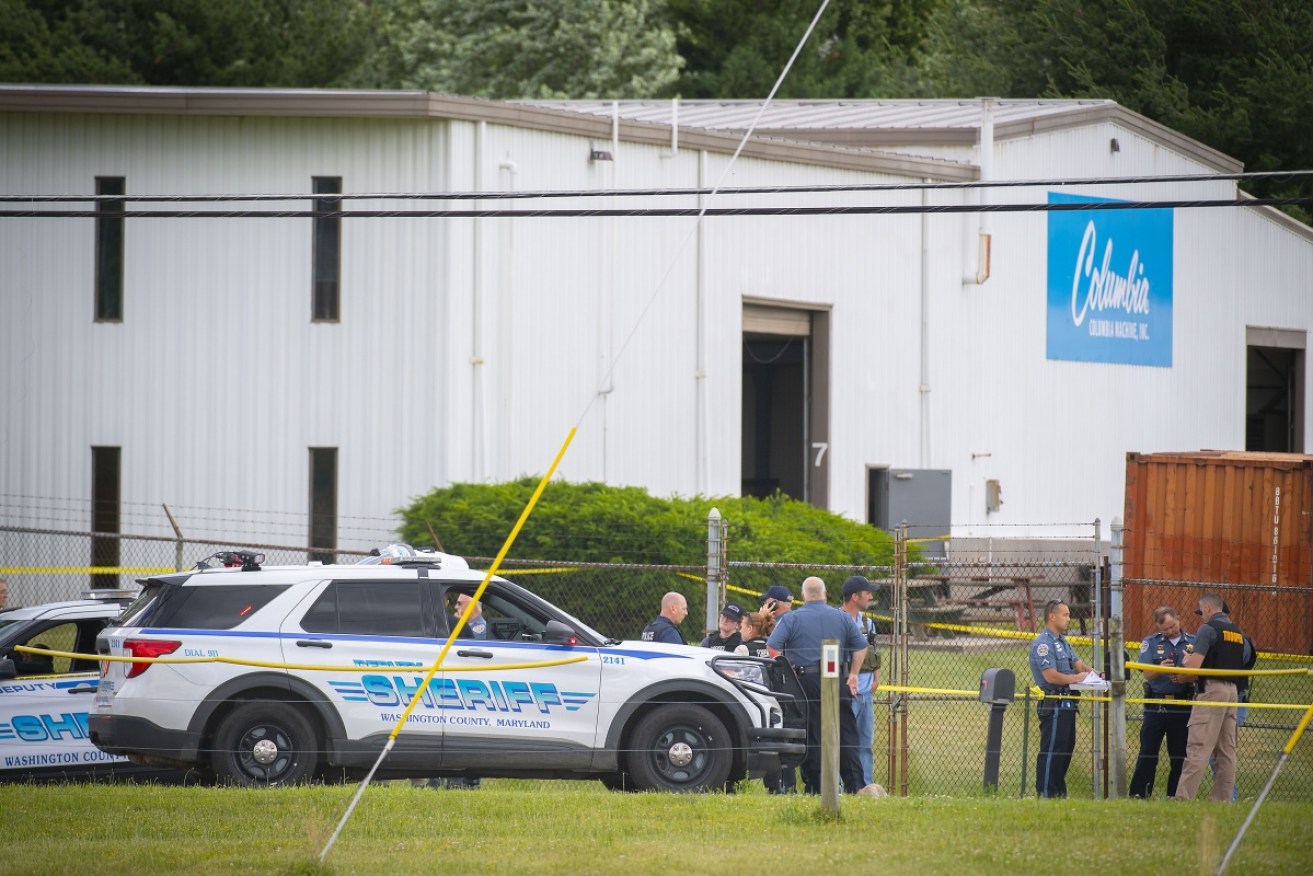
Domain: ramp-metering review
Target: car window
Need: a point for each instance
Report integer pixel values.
(508, 619)
(207, 606)
(57, 637)
(389, 608)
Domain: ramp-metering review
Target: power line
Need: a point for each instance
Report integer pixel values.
(663, 212)
(670, 192)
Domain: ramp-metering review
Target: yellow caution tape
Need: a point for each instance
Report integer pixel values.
(265, 664)
(1182, 670)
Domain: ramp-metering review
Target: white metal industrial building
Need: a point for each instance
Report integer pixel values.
(323, 371)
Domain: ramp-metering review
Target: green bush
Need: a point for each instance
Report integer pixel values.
(596, 523)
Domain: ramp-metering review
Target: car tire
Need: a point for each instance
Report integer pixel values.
(262, 743)
(679, 748)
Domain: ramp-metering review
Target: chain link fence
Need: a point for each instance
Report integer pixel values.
(942, 623)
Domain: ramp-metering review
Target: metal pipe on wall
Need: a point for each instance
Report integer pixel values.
(478, 389)
(923, 388)
(506, 351)
(703, 414)
(984, 238)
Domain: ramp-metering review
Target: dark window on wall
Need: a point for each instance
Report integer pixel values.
(326, 298)
(323, 503)
(105, 514)
(109, 249)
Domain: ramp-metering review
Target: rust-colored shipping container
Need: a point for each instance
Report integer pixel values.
(1240, 524)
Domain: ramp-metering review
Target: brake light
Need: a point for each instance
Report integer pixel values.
(147, 648)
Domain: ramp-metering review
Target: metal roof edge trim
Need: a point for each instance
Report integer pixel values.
(1129, 119)
(421, 105)
(1279, 216)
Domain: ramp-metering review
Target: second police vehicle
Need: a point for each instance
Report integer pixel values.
(293, 672)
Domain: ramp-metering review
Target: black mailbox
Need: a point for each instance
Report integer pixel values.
(998, 686)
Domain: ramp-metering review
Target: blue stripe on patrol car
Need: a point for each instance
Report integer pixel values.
(574, 700)
(351, 691)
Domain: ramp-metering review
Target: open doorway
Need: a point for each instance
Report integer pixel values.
(785, 402)
(1274, 390)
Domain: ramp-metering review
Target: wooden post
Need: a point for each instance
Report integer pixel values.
(830, 727)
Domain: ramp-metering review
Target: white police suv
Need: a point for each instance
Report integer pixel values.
(44, 698)
(292, 672)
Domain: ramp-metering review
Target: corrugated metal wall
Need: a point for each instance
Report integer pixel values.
(468, 348)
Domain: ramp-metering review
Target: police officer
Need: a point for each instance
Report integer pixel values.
(1168, 647)
(1218, 644)
(477, 627)
(726, 637)
(1054, 667)
(858, 592)
(674, 608)
(798, 636)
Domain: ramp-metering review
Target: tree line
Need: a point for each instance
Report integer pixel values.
(1235, 74)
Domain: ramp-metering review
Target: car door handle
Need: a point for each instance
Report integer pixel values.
(313, 643)
(486, 655)
(83, 690)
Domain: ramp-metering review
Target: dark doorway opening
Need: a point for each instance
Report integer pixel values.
(106, 514)
(1274, 395)
(774, 415)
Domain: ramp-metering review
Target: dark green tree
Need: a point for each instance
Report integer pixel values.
(1235, 74)
(860, 48)
(524, 48)
(242, 43)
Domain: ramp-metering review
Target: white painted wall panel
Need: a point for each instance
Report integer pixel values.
(467, 349)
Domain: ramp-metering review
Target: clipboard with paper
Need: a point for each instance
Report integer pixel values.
(1092, 681)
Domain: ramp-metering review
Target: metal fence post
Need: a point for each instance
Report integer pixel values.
(830, 727)
(177, 530)
(1099, 661)
(1117, 710)
(714, 570)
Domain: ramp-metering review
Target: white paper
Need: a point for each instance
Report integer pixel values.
(1091, 681)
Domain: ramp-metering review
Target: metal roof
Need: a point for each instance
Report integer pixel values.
(899, 125)
(807, 115)
(545, 116)
(890, 136)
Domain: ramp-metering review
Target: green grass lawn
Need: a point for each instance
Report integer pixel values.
(577, 827)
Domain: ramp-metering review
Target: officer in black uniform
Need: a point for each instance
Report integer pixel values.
(1168, 647)
(1219, 644)
(726, 637)
(674, 608)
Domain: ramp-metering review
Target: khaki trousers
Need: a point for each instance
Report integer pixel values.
(1212, 732)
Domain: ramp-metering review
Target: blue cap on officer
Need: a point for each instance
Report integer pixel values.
(856, 584)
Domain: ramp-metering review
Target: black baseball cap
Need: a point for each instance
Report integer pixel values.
(856, 584)
(733, 611)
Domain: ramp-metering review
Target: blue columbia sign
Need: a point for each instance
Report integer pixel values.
(1109, 284)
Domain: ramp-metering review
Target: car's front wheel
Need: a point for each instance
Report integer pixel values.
(679, 748)
(264, 743)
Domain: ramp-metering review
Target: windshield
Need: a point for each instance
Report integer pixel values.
(8, 625)
(530, 599)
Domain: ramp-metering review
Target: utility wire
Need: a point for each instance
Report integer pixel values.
(700, 213)
(662, 212)
(670, 192)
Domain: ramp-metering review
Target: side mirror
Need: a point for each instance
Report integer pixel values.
(7, 669)
(558, 633)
